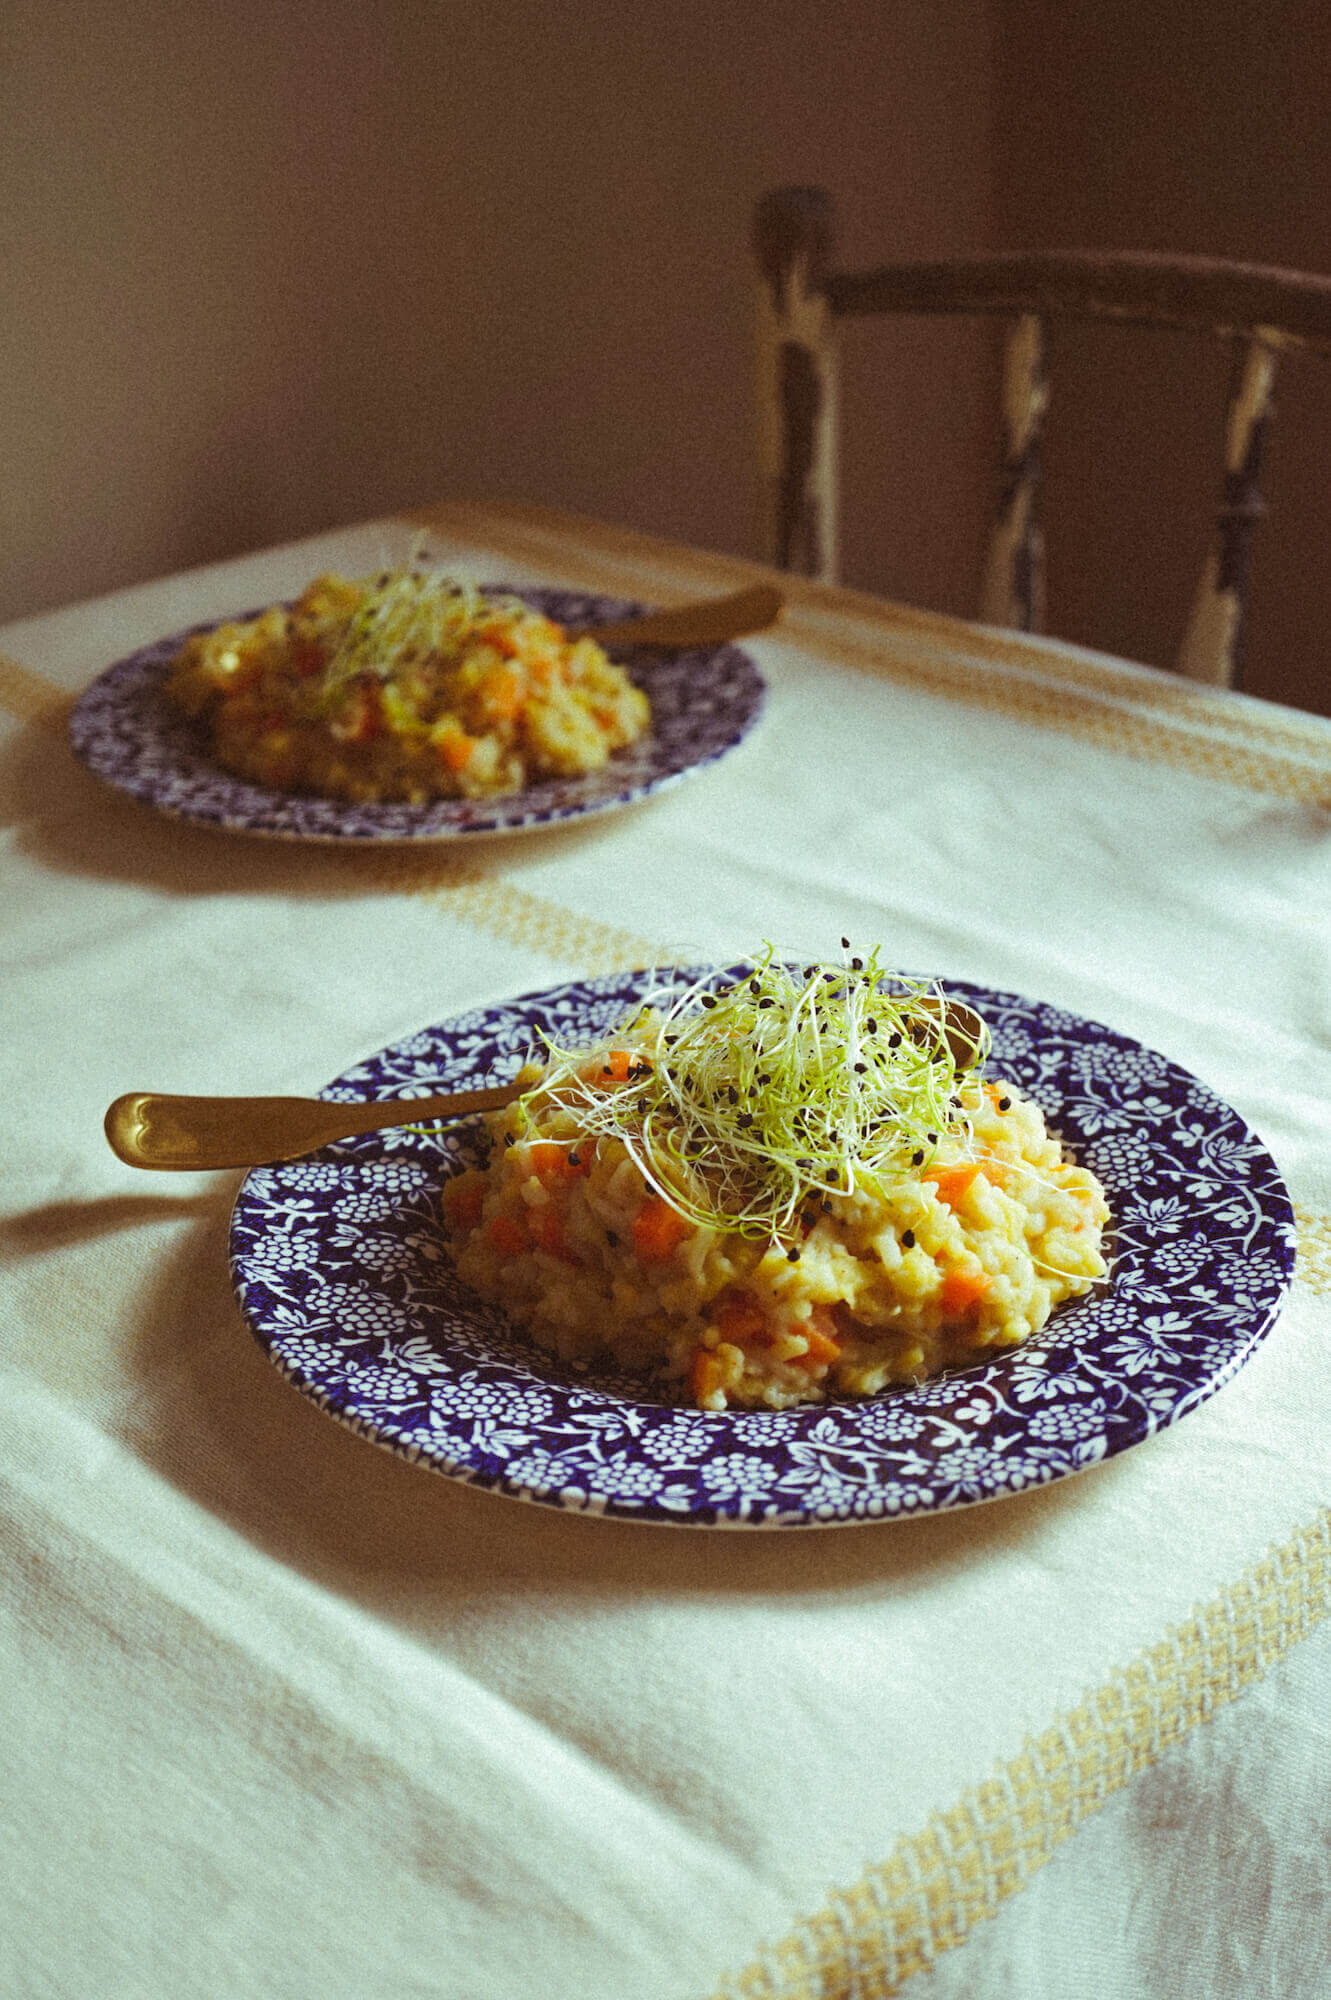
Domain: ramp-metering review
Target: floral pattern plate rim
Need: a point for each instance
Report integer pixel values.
(341, 1271)
(705, 700)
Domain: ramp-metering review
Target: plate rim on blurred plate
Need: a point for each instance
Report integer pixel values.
(468, 1397)
(705, 700)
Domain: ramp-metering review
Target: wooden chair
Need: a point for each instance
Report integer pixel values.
(1261, 311)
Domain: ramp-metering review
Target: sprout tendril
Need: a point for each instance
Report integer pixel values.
(744, 1099)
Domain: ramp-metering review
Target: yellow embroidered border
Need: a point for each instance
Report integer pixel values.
(501, 909)
(937, 1885)
(1156, 719)
(613, 557)
(1314, 1259)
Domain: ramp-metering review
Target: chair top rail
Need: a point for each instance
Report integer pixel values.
(1204, 294)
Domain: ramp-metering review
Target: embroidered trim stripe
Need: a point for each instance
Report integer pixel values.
(566, 536)
(1157, 719)
(936, 1885)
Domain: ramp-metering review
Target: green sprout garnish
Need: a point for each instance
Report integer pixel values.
(407, 615)
(745, 1103)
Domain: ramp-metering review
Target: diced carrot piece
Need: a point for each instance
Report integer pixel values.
(454, 746)
(962, 1291)
(739, 1318)
(502, 641)
(547, 1233)
(822, 1346)
(953, 1183)
(554, 1164)
(657, 1229)
(465, 1202)
(506, 1235)
(502, 696)
(705, 1375)
(614, 1067)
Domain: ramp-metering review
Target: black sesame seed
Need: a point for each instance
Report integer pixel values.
(709, 1000)
(872, 1026)
(792, 1256)
(845, 944)
(754, 988)
(908, 1239)
(1005, 1103)
(746, 1119)
(611, 1238)
(894, 1041)
(917, 1159)
(732, 1094)
(857, 965)
(861, 1069)
(767, 1003)
(575, 1159)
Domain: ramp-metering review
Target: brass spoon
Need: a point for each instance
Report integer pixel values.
(189, 1134)
(710, 623)
(146, 1128)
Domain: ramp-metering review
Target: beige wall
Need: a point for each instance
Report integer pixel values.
(270, 267)
(1158, 127)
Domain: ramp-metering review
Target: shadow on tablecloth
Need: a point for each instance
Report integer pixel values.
(74, 825)
(209, 1411)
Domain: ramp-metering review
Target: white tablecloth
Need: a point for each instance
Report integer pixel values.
(287, 1716)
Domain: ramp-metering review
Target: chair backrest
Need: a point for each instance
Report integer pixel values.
(1263, 312)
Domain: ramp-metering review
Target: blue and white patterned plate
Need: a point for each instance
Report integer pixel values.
(341, 1269)
(704, 702)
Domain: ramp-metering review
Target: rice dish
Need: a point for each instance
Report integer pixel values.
(405, 686)
(780, 1191)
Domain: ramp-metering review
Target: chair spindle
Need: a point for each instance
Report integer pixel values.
(1012, 589)
(797, 383)
(1212, 648)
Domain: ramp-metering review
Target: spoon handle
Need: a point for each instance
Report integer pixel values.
(187, 1134)
(708, 624)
